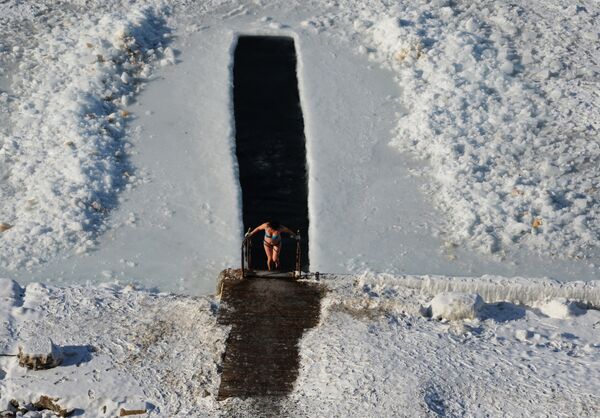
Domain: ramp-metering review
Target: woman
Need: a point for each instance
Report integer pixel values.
(272, 241)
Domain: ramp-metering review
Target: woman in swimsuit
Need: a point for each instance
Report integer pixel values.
(272, 241)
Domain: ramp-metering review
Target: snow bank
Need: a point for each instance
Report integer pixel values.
(413, 294)
(519, 290)
(456, 305)
(65, 159)
(499, 99)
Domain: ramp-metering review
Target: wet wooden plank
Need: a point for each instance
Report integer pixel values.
(268, 317)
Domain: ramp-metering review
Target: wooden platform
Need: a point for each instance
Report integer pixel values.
(268, 315)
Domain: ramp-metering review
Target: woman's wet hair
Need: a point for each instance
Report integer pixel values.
(273, 224)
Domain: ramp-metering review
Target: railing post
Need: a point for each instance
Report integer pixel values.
(297, 271)
(249, 252)
(243, 248)
(246, 243)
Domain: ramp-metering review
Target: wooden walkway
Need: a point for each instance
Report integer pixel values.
(268, 317)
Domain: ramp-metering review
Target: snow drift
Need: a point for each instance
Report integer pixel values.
(413, 294)
(519, 290)
(65, 159)
(500, 102)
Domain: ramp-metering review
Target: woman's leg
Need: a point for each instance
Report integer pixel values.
(269, 253)
(276, 251)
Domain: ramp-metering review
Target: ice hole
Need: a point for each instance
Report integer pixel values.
(270, 142)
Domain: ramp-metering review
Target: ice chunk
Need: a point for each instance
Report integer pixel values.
(39, 352)
(523, 335)
(456, 305)
(169, 55)
(561, 308)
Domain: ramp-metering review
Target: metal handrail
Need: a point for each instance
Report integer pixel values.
(246, 246)
(297, 271)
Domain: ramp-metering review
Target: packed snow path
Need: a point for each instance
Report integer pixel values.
(267, 318)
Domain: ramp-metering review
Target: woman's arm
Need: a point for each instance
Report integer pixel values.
(258, 228)
(288, 230)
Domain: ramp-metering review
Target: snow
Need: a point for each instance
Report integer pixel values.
(131, 348)
(121, 347)
(451, 146)
(69, 115)
(9, 289)
(156, 200)
(561, 308)
(518, 290)
(501, 107)
(456, 305)
(511, 360)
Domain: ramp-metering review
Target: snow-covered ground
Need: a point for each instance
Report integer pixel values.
(375, 354)
(117, 142)
(504, 107)
(123, 348)
(66, 158)
(443, 138)
(520, 351)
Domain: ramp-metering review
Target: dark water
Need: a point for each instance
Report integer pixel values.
(270, 143)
